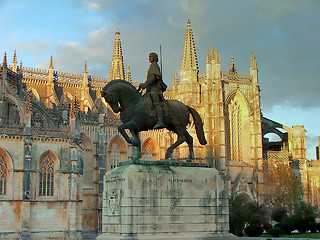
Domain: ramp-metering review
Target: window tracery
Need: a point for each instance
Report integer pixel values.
(3, 176)
(235, 130)
(114, 155)
(46, 176)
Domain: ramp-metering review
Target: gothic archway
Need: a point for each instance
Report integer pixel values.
(238, 132)
(150, 150)
(116, 152)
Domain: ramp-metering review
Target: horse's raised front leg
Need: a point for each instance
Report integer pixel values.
(128, 125)
(137, 141)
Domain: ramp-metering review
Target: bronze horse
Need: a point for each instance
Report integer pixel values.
(123, 97)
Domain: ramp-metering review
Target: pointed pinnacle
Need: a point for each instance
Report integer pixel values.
(85, 67)
(51, 63)
(5, 60)
(15, 57)
(208, 61)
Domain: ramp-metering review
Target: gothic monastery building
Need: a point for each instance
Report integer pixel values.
(58, 137)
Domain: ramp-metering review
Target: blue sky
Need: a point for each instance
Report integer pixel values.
(284, 35)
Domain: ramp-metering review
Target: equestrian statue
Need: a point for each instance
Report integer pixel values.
(151, 111)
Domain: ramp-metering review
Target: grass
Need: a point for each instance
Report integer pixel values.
(298, 235)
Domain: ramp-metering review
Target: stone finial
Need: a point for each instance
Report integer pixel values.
(253, 61)
(85, 67)
(208, 60)
(4, 63)
(51, 63)
(15, 62)
(217, 57)
(213, 52)
(232, 68)
(21, 69)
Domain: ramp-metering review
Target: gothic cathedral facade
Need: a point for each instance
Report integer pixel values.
(58, 137)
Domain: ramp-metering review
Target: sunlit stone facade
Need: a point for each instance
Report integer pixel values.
(58, 137)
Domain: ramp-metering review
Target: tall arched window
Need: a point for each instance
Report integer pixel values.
(114, 155)
(3, 176)
(235, 128)
(46, 176)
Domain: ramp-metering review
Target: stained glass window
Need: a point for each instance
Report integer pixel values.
(46, 176)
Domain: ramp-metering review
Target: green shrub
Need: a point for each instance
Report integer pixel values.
(275, 231)
(253, 230)
(287, 225)
(279, 213)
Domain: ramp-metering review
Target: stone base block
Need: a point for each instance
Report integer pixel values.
(164, 201)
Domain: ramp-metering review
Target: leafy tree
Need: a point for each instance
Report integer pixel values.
(281, 186)
(246, 214)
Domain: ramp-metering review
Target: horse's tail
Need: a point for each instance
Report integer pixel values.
(199, 125)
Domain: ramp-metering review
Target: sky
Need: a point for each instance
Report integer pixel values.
(283, 34)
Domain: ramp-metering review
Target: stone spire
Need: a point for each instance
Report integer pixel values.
(85, 67)
(189, 62)
(128, 75)
(253, 62)
(4, 62)
(21, 69)
(117, 69)
(85, 75)
(253, 68)
(217, 57)
(208, 60)
(213, 52)
(14, 62)
(51, 63)
(232, 68)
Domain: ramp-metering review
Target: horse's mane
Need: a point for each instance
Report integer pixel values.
(116, 81)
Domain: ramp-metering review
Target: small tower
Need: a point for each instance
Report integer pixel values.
(117, 69)
(85, 75)
(128, 75)
(50, 85)
(189, 87)
(253, 68)
(208, 65)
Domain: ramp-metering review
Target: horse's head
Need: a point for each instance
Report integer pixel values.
(120, 94)
(112, 99)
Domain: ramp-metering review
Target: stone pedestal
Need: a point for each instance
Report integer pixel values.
(164, 201)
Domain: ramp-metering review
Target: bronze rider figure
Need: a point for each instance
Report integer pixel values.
(155, 86)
